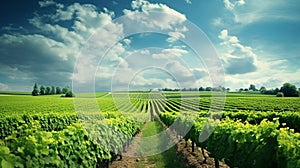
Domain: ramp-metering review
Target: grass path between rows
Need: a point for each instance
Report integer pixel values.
(168, 158)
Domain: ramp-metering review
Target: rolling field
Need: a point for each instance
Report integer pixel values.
(46, 131)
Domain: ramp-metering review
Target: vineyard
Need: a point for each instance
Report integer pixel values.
(45, 131)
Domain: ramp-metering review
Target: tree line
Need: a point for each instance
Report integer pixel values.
(47, 90)
(286, 90)
(219, 88)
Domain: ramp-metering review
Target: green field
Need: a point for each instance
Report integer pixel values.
(46, 131)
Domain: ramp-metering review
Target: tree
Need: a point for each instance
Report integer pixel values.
(65, 89)
(58, 90)
(262, 89)
(69, 94)
(279, 94)
(35, 90)
(42, 90)
(208, 89)
(276, 91)
(289, 90)
(227, 89)
(48, 89)
(252, 87)
(52, 90)
(201, 89)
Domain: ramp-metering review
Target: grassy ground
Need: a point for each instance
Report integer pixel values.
(15, 93)
(168, 158)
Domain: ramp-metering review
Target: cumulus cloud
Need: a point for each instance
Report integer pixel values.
(27, 57)
(46, 3)
(47, 56)
(188, 1)
(47, 53)
(170, 53)
(231, 5)
(239, 59)
(163, 18)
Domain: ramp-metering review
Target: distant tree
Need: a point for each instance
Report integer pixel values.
(69, 94)
(58, 90)
(262, 89)
(208, 89)
(252, 87)
(201, 89)
(241, 89)
(35, 90)
(246, 89)
(276, 91)
(289, 90)
(48, 89)
(42, 90)
(227, 89)
(52, 90)
(279, 94)
(65, 89)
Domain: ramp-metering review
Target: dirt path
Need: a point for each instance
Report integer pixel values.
(192, 159)
(5, 95)
(127, 160)
(195, 159)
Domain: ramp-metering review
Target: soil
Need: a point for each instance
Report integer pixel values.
(128, 161)
(5, 95)
(192, 159)
(195, 159)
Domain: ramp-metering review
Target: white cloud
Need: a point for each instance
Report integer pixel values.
(244, 67)
(239, 59)
(179, 71)
(227, 39)
(127, 41)
(170, 53)
(231, 5)
(218, 22)
(46, 3)
(188, 1)
(165, 18)
(177, 34)
(49, 55)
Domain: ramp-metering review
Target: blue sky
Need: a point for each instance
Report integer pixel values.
(42, 41)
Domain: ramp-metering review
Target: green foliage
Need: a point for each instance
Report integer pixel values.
(48, 90)
(46, 122)
(46, 128)
(58, 90)
(289, 90)
(69, 94)
(40, 142)
(65, 90)
(52, 90)
(279, 94)
(67, 148)
(42, 90)
(35, 91)
(242, 144)
(288, 152)
(252, 87)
